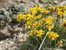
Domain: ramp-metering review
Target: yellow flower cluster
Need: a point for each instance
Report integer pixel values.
(42, 21)
(39, 9)
(38, 33)
(42, 17)
(52, 35)
(49, 22)
(61, 10)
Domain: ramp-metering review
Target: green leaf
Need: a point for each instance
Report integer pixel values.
(48, 1)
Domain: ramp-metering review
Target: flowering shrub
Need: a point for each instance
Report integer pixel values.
(45, 26)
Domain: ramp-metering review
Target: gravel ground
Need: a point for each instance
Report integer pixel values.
(11, 38)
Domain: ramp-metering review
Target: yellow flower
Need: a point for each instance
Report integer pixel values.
(29, 27)
(38, 17)
(29, 22)
(35, 9)
(64, 13)
(51, 8)
(49, 27)
(39, 8)
(48, 20)
(45, 11)
(39, 33)
(64, 8)
(60, 43)
(20, 17)
(36, 24)
(60, 8)
(60, 13)
(52, 35)
(29, 17)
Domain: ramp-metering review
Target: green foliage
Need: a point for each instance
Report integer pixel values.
(47, 1)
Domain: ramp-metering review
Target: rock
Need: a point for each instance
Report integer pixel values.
(9, 42)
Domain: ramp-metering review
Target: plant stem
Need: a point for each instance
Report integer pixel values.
(42, 42)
